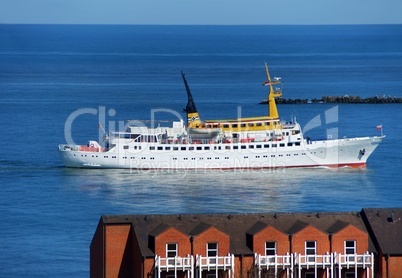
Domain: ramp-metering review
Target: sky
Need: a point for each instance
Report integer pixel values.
(210, 12)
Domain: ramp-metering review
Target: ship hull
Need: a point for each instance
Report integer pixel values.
(352, 152)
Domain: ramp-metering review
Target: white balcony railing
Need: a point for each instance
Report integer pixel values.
(314, 260)
(354, 260)
(274, 260)
(217, 262)
(291, 262)
(174, 263)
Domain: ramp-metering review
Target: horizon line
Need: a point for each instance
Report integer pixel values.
(184, 24)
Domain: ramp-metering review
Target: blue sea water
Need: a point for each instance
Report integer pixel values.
(114, 73)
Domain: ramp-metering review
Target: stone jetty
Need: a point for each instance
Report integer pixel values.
(340, 99)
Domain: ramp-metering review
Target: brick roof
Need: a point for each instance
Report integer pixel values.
(237, 226)
(385, 227)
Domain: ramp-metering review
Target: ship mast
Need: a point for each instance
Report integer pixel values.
(193, 118)
(272, 93)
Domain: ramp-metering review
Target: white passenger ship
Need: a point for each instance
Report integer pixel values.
(243, 143)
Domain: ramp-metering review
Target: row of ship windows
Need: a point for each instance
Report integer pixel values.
(200, 158)
(243, 124)
(228, 147)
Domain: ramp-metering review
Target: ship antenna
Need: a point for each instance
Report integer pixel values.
(273, 111)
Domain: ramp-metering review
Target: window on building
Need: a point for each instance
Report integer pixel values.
(171, 250)
(310, 247)
(310, 250)
(350, 247)
(350, 250)
(212, 252)
(212, 249)
(270, 248)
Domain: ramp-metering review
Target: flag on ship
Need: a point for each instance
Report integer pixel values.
(379, 127)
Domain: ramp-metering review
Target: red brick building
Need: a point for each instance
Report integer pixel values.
(246, 245)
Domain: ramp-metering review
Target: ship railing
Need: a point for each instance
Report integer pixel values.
(171, 141)
(223, 141)
(81, 148)
(65, 147)
(145, 130)
(125, 135)
(91, 149)
(288, 125)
